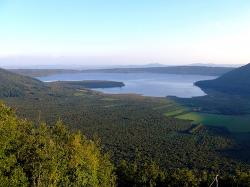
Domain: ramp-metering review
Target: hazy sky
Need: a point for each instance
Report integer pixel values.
(125, 31)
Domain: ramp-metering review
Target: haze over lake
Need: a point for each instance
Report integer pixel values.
(147, 84)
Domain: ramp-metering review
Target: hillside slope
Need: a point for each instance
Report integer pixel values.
(14, 85)
(234, 82)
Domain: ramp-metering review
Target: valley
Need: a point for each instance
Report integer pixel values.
(125, 124)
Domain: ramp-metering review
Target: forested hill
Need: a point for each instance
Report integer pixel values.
(14, 85)
(234, 82)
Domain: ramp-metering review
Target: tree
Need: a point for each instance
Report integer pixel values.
(49, 156)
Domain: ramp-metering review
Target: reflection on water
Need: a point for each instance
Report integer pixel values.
(148, 84)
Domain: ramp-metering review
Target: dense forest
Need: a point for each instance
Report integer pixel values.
(39, 155)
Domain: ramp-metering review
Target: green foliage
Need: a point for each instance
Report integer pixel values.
(138, 174)
(148, 174)
(242, 178)
(43, 156)
(182, 177)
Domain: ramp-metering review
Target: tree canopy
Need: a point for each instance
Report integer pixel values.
(49, 156)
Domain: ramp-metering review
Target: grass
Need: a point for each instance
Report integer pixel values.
(234, 123)
(175, 112)
(80, 92)
(77, 94)
(108, 99)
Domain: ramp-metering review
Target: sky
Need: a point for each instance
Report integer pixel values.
(124, 31)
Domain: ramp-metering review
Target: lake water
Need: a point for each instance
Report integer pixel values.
(147, 84)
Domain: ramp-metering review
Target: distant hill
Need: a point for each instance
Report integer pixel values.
(188, 70)
(234, 82)
(14, 85)
(42, 72)
(216, 65)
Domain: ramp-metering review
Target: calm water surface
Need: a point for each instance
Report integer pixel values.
(148, 84)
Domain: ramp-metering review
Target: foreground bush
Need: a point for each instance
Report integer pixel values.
(43, 156)
(139, 173)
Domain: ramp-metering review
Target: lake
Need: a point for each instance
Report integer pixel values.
(147, 84)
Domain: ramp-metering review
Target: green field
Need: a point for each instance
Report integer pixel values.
(234, 123)
(175, 112)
